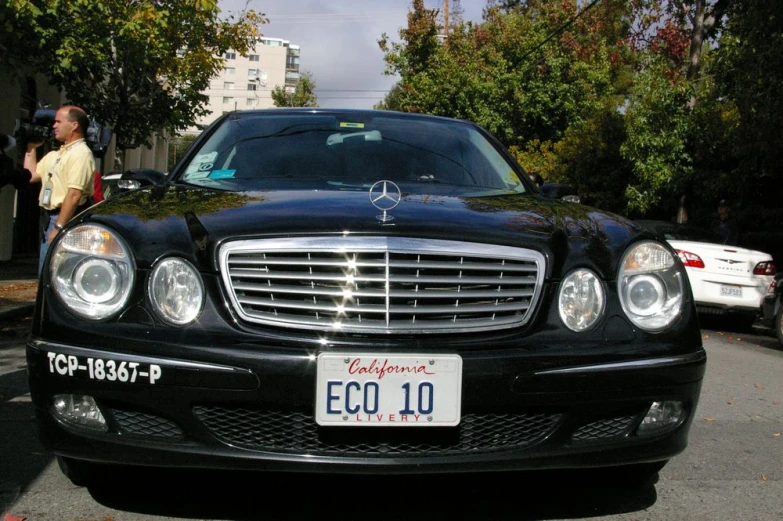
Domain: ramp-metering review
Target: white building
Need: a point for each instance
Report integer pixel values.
(246, 82)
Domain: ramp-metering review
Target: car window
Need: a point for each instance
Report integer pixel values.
(323, 152)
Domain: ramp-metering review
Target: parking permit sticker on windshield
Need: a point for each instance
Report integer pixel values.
(221, 174)
(347, 124)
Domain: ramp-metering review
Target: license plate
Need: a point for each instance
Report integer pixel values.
(372, 390)
(730, 291)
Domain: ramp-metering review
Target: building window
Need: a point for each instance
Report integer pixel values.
(231, 56)
(253, 57)
(252, 73)
(228, 85)
(251, 102)
(227, 99)
(230, 71)
(251, 86)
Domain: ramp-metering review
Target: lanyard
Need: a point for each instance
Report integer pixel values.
(51, 170)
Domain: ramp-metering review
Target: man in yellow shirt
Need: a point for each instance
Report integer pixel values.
(66, 173)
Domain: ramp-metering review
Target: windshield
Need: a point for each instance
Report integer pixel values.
(261, 151)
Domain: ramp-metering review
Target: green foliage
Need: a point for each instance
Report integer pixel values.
(392, 100)
(419, 43)
(657, 125)
(537, 158)
(589, 159)
(302, 96)
(137, 67)
(500, 74)
(749, 79)
(161, 203)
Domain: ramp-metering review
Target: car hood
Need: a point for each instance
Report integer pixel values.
(192, 222)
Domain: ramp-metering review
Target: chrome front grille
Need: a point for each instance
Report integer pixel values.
(381, 284)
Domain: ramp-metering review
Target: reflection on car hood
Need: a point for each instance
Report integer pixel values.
(192, 222)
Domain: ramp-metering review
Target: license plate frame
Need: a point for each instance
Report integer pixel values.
(388, 390)
(730, 290)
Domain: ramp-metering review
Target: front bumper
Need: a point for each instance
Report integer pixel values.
(255, 411)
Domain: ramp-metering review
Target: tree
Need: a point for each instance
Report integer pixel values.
(419, 43)
(658, 134)
(177, 148)
(499, 74)
(392, 100)
(138, 67)
(668, 42)
(302, 96)
(749, 76)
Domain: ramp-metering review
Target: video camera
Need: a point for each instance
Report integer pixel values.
(97, 138)
(39, 130)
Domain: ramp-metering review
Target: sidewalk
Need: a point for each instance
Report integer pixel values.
(18, 286)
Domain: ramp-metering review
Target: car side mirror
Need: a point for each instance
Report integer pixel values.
(138, 177)
(559, 191)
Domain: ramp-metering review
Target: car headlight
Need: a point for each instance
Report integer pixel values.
(176, 291)
(92, 271)
(650, 286)
(581, 300)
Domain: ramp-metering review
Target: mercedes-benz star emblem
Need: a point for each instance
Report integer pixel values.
(385, 195)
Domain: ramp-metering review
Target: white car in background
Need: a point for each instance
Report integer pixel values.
(725, 280)
(113, 183)
(109, 184)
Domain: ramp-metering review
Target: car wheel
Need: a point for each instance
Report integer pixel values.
(81, 473)
(778, 323)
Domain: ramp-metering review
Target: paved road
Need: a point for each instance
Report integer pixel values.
(732, 470)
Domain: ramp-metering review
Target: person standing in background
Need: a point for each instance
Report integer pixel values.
(537, 179)
(726, 226)
(66, 174)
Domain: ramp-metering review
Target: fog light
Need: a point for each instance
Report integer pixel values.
(661, 416)
(79, 411)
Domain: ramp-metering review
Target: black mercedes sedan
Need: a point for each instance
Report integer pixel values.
(772, 307)
(318, 290)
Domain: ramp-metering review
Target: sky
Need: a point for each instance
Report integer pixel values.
(339, 41)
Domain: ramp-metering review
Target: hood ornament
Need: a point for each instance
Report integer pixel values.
(385, 195)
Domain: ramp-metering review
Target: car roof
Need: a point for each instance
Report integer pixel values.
(277, 111)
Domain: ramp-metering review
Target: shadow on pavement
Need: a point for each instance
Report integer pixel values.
(246, 496)
(23, 459)
(757, 335)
